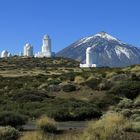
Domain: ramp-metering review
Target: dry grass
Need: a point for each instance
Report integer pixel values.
(33, 136)
(42, 136)
(110, 127)
(46, 124)
(79, 80)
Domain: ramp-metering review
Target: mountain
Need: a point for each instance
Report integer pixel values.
(110, 51)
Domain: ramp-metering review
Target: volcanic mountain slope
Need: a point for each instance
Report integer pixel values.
(110, 51)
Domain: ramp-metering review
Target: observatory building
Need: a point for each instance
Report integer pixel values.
(46, 48)
(5, 54)
(91, 58)
(28, 50)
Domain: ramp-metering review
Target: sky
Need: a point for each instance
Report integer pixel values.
(66, 21)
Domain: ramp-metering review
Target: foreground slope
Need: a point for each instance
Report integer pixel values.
(34, 87)
(58, 88)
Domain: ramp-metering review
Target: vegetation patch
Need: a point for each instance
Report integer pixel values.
(129, 89)
(13, 119)
(47, 124)
(8, 133)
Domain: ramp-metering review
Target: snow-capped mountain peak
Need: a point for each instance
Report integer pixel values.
(105, 36)
(108, 50)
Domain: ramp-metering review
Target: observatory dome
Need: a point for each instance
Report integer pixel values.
(28, 44)
(46, 37)
(90, 49)
(9, 55)
(4, 53)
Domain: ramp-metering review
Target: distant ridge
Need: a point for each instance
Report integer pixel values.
(111, 51)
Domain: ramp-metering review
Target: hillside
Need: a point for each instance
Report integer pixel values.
(15, 66)
(109, 51)
(58, 88)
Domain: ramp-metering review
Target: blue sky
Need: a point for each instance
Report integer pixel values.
(23, 21)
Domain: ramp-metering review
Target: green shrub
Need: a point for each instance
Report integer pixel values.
(136, 111)
(105, 101)
(69, 88)
(110, 74)
(129, 89)
(8, 133)
(134, 116)
(135, 77)
(93, 83)
(67, 76)
(12, 119)
(77, 114)
(135, 127)
(54, 82)
(54, 88)
(105, 85)
(137, 101)
(30, 96)
(119, 77)
(73, 109)
(137, 119)
(125, 103)
(47, 124)
(126, 112)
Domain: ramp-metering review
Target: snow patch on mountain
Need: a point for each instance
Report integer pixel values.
(109, 54)
(105, 36)
(84, 40)
(121, 50)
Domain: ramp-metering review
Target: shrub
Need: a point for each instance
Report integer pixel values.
(105, 85)
(73, 109)
(12, 119)
(105, 101)
(54, 88)
(67, 76)
(110, 127)
(47, 124)
(110, 74)
(79, 80)
(30, 96)
(125, 103)
(126, 112)
(93, 82)
(135, 77)
(8, 133)
(119, 77)
(137, 101)
(54, 82)
(129, 89)
(69, 88)
(77, 114)
(136, 117)
(134, 127)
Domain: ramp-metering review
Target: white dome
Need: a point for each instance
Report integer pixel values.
(4, 53)
(90, 49)
(28, 44)
(9, 55)
(46, 37)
